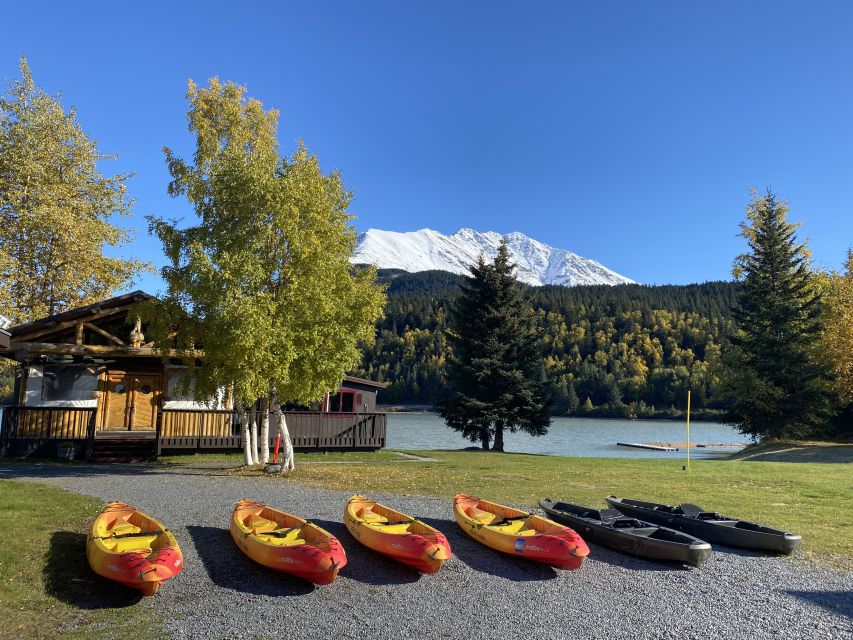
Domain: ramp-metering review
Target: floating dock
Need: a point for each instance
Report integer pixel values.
(640, 445)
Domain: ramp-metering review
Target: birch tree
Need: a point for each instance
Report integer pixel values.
(56, 208)
(261, 282)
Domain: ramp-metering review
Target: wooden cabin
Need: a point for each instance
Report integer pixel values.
(87, 377)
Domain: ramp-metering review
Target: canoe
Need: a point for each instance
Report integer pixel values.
(709, 526)
(396, 534)
(284, 542)
(611, 528)
(130, 547)
(519, 533)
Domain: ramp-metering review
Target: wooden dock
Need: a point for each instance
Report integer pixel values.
(640, 445)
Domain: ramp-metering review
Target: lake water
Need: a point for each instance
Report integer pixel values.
(571, 437)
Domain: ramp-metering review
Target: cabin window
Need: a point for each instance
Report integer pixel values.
(68, 382)
(342, 402)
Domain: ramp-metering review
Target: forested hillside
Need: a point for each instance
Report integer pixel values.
(627, 350)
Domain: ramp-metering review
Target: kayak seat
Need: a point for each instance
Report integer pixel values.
(134, 543)
(693, 511)
(259, 524)
(370, 516)
(486, 517)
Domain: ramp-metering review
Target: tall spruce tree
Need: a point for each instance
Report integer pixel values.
(777, 385)
(493, 375)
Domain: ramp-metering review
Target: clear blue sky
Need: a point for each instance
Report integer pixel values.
(628, 132)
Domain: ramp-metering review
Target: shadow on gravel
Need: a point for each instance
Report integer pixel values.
(68, 577)
(632, 563)
(74, 470)
(481, 558)
(230, 568)
(364, 565)
(840, 602)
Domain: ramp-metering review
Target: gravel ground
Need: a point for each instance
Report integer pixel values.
(477, 594)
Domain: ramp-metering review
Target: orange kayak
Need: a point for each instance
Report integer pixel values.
(132, 548)
(519, 533)
(284, 542)
(396, 534)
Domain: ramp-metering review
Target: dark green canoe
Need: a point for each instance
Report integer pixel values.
(709, 526)
(611, 528)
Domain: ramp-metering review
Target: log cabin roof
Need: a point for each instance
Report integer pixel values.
(371, 383)
(4, 338)
(125, 300)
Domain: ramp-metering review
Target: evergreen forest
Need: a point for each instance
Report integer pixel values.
(609, 351)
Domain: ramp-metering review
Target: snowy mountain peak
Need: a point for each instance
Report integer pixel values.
(426, 249)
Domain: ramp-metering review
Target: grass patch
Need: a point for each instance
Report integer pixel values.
(46, 586)
(234, 458)
(810, 499)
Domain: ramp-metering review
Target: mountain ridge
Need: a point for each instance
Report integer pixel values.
(426, 250)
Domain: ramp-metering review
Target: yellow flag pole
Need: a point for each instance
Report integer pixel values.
(688, 430)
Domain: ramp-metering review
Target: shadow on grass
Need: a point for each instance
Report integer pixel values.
(481, 558)
(840, 602)
(69, 578)
(230, 568)
(365, 565)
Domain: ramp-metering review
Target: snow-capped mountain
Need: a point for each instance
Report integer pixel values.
(536, 263)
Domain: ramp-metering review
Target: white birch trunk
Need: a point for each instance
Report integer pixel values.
(244, 435)
(254, 433)
(265, 431)
(287, 459)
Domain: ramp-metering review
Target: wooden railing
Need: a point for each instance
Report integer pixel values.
(29, 430)
(191, 429)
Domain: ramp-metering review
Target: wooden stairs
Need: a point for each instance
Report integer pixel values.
(123, 447)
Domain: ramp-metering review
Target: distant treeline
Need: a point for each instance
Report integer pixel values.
(618, 351)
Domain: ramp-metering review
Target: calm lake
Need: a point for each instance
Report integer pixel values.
(571, 437)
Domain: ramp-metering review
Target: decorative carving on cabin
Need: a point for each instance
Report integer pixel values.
(136, 337)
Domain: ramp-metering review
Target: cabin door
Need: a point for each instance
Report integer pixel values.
(130, 402)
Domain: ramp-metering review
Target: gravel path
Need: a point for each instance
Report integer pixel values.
(477, 594)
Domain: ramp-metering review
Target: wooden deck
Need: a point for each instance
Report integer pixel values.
(36, 431)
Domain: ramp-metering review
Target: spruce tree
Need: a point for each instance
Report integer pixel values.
(493, 376)
(777, 386)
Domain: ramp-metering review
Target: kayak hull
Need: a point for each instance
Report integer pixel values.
(396, 535)
(648, 541)
(518, 533)
(722, 530)
(132, 548)
(286, 543)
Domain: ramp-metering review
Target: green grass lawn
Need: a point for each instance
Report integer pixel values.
(807, 498)
(46, 586)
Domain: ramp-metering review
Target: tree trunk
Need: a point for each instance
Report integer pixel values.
(253, 422)
(484, 438)
(265, 431)
(244, 435)
(499, 437)
(287, 458)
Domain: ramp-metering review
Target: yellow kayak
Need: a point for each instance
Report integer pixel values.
(286, 543)
(132, 548)
(396, 534)
(519, 533)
